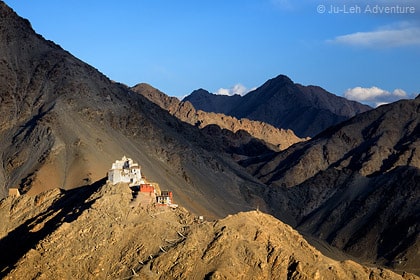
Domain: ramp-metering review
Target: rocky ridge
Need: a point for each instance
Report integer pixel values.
(99, 232)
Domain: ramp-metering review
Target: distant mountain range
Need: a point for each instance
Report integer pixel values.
(307, 110)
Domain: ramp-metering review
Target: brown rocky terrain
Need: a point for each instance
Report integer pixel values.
(243, 131)
(98, 232)
(355, 185)
(307, 110)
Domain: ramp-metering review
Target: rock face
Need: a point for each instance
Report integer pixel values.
(236, 135)
(307, 110)
(62, 123)
(355, 185)
(98, 232)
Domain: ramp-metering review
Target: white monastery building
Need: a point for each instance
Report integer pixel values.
(125, 171)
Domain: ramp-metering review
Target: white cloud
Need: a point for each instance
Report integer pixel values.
(236, 89)
(399, 35)
(223, 91)
(374, 96)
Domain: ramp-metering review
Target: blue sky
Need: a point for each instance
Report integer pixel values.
(228, 46)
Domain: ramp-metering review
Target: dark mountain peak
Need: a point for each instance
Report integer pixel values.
(209, 102)
(307, 110)
(283, 79)
(273, 86)
(201, 92)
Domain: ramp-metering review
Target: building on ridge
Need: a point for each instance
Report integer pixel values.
(166, 198)
(125, 171)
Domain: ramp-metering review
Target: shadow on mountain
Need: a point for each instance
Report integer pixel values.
(25, 237)
(239, 143)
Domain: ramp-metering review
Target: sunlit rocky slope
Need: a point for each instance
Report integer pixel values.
(98, 232)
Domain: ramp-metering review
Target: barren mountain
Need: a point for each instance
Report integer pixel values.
(355, 185)
(307, 110)
(99, 232)
(62, 124)
(244, 132)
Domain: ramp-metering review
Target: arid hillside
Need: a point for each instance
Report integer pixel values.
(356, 185)
(62, 123)
(99, 232)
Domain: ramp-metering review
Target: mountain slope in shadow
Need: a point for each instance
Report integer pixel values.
(356, 185)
